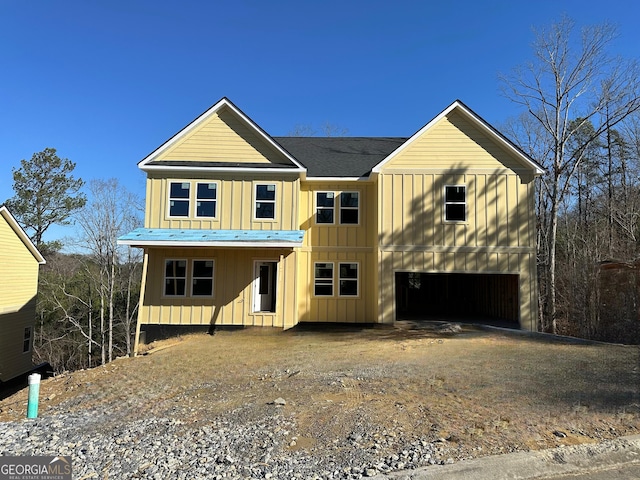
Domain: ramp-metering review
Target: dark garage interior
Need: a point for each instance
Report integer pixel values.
(473, 297)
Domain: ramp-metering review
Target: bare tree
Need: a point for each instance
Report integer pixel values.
(569, 80)
(110, 213)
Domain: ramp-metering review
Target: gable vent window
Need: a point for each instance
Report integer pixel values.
(455, 203)
(179, 199)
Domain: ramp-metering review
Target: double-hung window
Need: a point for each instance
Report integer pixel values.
(455, 203)
(349, 206)
(202, 278)
(347, 203)
(179, 199)
(206, 199)
(348, 279)
(323, 279)
(325, 207)
(175, 278)
(265, 201)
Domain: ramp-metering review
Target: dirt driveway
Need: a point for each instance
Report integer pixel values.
(477, 392)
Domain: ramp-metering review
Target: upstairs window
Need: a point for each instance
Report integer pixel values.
(179, 199)
(455, 203)
(323, 280)
(325, 206)
(206, 199)
(349, 206)
(175, 278)
(265, 201)
(347, 203)
(202, 278)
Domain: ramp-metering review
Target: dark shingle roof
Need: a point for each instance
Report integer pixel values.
(339, 156)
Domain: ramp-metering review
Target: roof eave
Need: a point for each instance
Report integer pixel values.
(178, 243)
(15, 226)
(170, 168)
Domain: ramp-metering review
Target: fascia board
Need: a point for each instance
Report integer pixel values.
(190, 169)
(171, 243)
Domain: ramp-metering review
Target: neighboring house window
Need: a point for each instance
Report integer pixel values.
(455, 203)
(179, 199)
(26, 344)
(348, 279)
(266, 201)
(175, 278)
(202, 278)
(325, 206)
(323, 282)
(349, 204)
(206, 199)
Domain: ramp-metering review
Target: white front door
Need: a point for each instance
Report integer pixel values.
(264, 287)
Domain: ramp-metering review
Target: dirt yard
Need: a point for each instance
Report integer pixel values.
(476, 391)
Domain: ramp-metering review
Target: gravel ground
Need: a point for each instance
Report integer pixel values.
(325, 405)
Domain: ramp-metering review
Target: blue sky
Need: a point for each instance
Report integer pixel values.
(106, 82)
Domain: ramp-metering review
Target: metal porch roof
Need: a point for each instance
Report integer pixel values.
(172, 237)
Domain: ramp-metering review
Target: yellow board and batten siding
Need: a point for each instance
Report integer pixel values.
(18, 290)
(232, 300)
(498, 234)
(336, 243)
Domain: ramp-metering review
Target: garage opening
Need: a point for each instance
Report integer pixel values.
(473, 297)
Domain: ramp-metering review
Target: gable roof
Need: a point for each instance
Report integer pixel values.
(351, 157)
(150, 162)
(4, 212)
(479, 122)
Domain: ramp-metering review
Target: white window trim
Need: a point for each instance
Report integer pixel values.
(169, 199)
(164, 277)
(216, 201)
(349, 208)
(256, 201)
(324, 208)
(193, 277)
(357, 280)
(333, 282)
(445, 203)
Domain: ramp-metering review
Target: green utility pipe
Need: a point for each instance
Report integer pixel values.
(34, 392)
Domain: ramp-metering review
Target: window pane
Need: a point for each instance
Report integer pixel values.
(203, 268)
(349, 199)
(455, 194)
(325, 199)
(348, 270)
(179, 190)
(265, 192)
(324, 270)
(324, 290)
(176, 268)
(349, 216)
(455, 212)
(348, 287)
(324, 215)
(202, 287)
(265, 210)
(179, 208)
(175, 286)
(207, 191)
(206, 209)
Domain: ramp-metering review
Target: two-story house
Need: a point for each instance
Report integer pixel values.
(242, 228)
(19, 265)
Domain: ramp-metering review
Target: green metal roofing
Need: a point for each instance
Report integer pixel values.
(174, 237)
